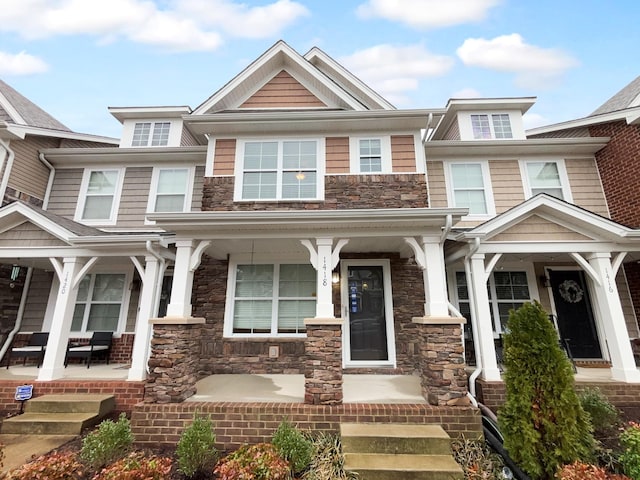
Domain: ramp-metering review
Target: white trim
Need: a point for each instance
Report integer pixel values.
(466, 126)
(488, 190)
(153, 191)
(388, 304)
(562, 172)
(115, 204)
(385, 154)
(421, 158)
(211, 157)
(173, 139)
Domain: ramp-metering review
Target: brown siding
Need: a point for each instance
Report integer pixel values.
(282, 91)
(586, 188)
(536, 228)
(437, 185)
(196, 198)
(37, 299)
(187, 140)
(224, 157)
(135, 194)
(28, 174)
(454, 131)
(403, 153)
(337, 155)
(29, 235)
(65, 191)
(506, 183)
(132, 312)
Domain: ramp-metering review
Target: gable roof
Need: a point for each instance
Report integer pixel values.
(628, 97)
(16, 108)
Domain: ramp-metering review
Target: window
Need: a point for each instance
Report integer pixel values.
(151, 134)
(468, 188)
(170, 190)
(498, 127)
(370, 155)
(546, 177)
(100, 193)
(280, 170)
(272, 299)
(99, 302)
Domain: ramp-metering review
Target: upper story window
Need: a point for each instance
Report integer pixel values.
(154, 134)
(491, 126)
(99, 302)
(370, 154)
(99, 196)
(548, 177)
(279, 170)
(171, 189)
(469, 187)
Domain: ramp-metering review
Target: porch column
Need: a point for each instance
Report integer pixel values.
(323, 361)
(434, 275)
(481, 315)
(607, 302)
(180, 302)
(151, 281)
(53, 363)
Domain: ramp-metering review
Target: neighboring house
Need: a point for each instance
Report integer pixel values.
(296, 192)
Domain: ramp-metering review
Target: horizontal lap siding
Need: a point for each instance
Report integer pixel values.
(28, 174)
(65, 191)
(403, 153)
(437, 185)
(506, 183)
(196, 199)
(337, 155)
(454, 131)
(627, 304)
(187, 140)
(135, 194)
(282, 91)
(225, 156)
(536, 228)
(586, 187)
(36, 304)
(29, 235)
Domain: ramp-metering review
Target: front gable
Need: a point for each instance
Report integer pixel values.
(283, 91)
(537, 228)
(29, 235)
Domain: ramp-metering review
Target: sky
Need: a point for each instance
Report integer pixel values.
(76, 58)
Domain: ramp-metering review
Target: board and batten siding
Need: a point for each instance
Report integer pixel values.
(506, 183)
(403, 154)
(224, 157)
(337, 152)
(65, 191)
(37, 297)
(134, 198)
(585, 184)
(282, 91)
(28, 174)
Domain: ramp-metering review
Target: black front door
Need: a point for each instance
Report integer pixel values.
(367, 322)
(575, 316)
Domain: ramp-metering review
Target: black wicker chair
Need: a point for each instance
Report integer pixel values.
(99, 347)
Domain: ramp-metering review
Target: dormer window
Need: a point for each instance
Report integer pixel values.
(151, 134)
(497, 125)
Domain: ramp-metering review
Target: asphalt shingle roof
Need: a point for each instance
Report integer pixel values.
(621, 100)
(32, 115)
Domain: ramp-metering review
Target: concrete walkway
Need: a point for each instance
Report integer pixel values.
(20, 449)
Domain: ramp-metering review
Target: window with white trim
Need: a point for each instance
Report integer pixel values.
(170, 189)
(151, 134)
(99, 302)
(370, 155)
(99, 196)
(469, 187)
(546, 177)
(496, 125)
(280, 170)
(272, 299)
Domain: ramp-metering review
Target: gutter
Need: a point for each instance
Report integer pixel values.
(474, 320)
(10, 156)
(52, 174)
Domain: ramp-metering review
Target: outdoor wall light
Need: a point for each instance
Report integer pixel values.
(335, 277)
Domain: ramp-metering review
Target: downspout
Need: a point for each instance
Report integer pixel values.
(52, 174)
(10, 155)
(474, 321)
(18, 324)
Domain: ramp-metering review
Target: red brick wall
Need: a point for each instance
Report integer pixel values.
(239, 423)
(121, 348)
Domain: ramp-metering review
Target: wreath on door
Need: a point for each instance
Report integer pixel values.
(570, 291)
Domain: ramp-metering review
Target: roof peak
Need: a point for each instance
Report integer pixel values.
(628, 97)
(18, 109)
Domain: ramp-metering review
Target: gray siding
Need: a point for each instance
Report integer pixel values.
(135, 194)
(37, 299)
(196, 199)
(28, 174)
(65, 191)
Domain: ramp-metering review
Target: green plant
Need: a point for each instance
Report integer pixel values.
(630, 457)
(293, 446)
(476, 460)
(253, 462)
(136, 466)
(543, 423)
(108, 443)
(196, 451)
(52, 466)
(328, 461)
(605, 417)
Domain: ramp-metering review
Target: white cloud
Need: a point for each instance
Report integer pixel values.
(393, 70)
(534, 66)
(533, 120)
(21, 64)
(467, 92)
(424, 14)
(192, 25)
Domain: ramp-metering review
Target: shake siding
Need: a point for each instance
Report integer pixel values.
(187, 140)
(224, 157)
(506, 183)
(29, 235)
(337, 151)
(28, 174)
(454, 131)
(37, 299)
(196, 197)
(135, 194)
(586, 187)
(403, 153)
(65, 191)
(282, 91)
(436, 185)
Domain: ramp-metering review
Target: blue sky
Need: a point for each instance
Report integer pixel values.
(76, 58)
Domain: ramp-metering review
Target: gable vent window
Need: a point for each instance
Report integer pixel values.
(148, 134)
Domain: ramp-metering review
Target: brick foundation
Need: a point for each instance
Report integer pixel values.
(239, 423)
(323, 362)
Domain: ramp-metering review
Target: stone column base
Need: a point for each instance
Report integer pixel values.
(323, 361)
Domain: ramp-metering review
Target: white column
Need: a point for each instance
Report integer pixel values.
(607, 303)
(324, 302)
(148, 309)
(180, 303)
(477, 285)
(435, 285)
(53, 364)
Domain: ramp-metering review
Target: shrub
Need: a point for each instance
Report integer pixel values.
(293, 446)
(108, 443)
(52, 466)
(253, 462)
(196, 451)
(476, 460)
(630, 457)
(584, 471)
(543, 423)
(605, 417)
(328, 461)
(136, 466)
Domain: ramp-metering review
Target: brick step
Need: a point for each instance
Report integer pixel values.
(395, 439)
(49, 423)
(375, 466)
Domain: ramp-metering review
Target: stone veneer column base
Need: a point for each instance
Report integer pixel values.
(173, 364)
(323, 361)
(443, 377)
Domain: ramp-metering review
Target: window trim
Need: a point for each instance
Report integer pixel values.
(239, 168)
(82, 196)
(385, 154)
(562, 172)
(152, 129)
(155, 178)
(488, 188)
(492, 129)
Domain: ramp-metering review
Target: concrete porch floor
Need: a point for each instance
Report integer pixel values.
(98, 371)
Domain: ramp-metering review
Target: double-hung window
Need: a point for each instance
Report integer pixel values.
(497, 125)
(370, 155)
(469, 187)
(171, 189)
(271, 299)
(548, 177)
(280, 170)
(151, 134)
(99, 302)
(99, 196)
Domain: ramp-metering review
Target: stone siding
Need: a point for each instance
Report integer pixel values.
(323, 364)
